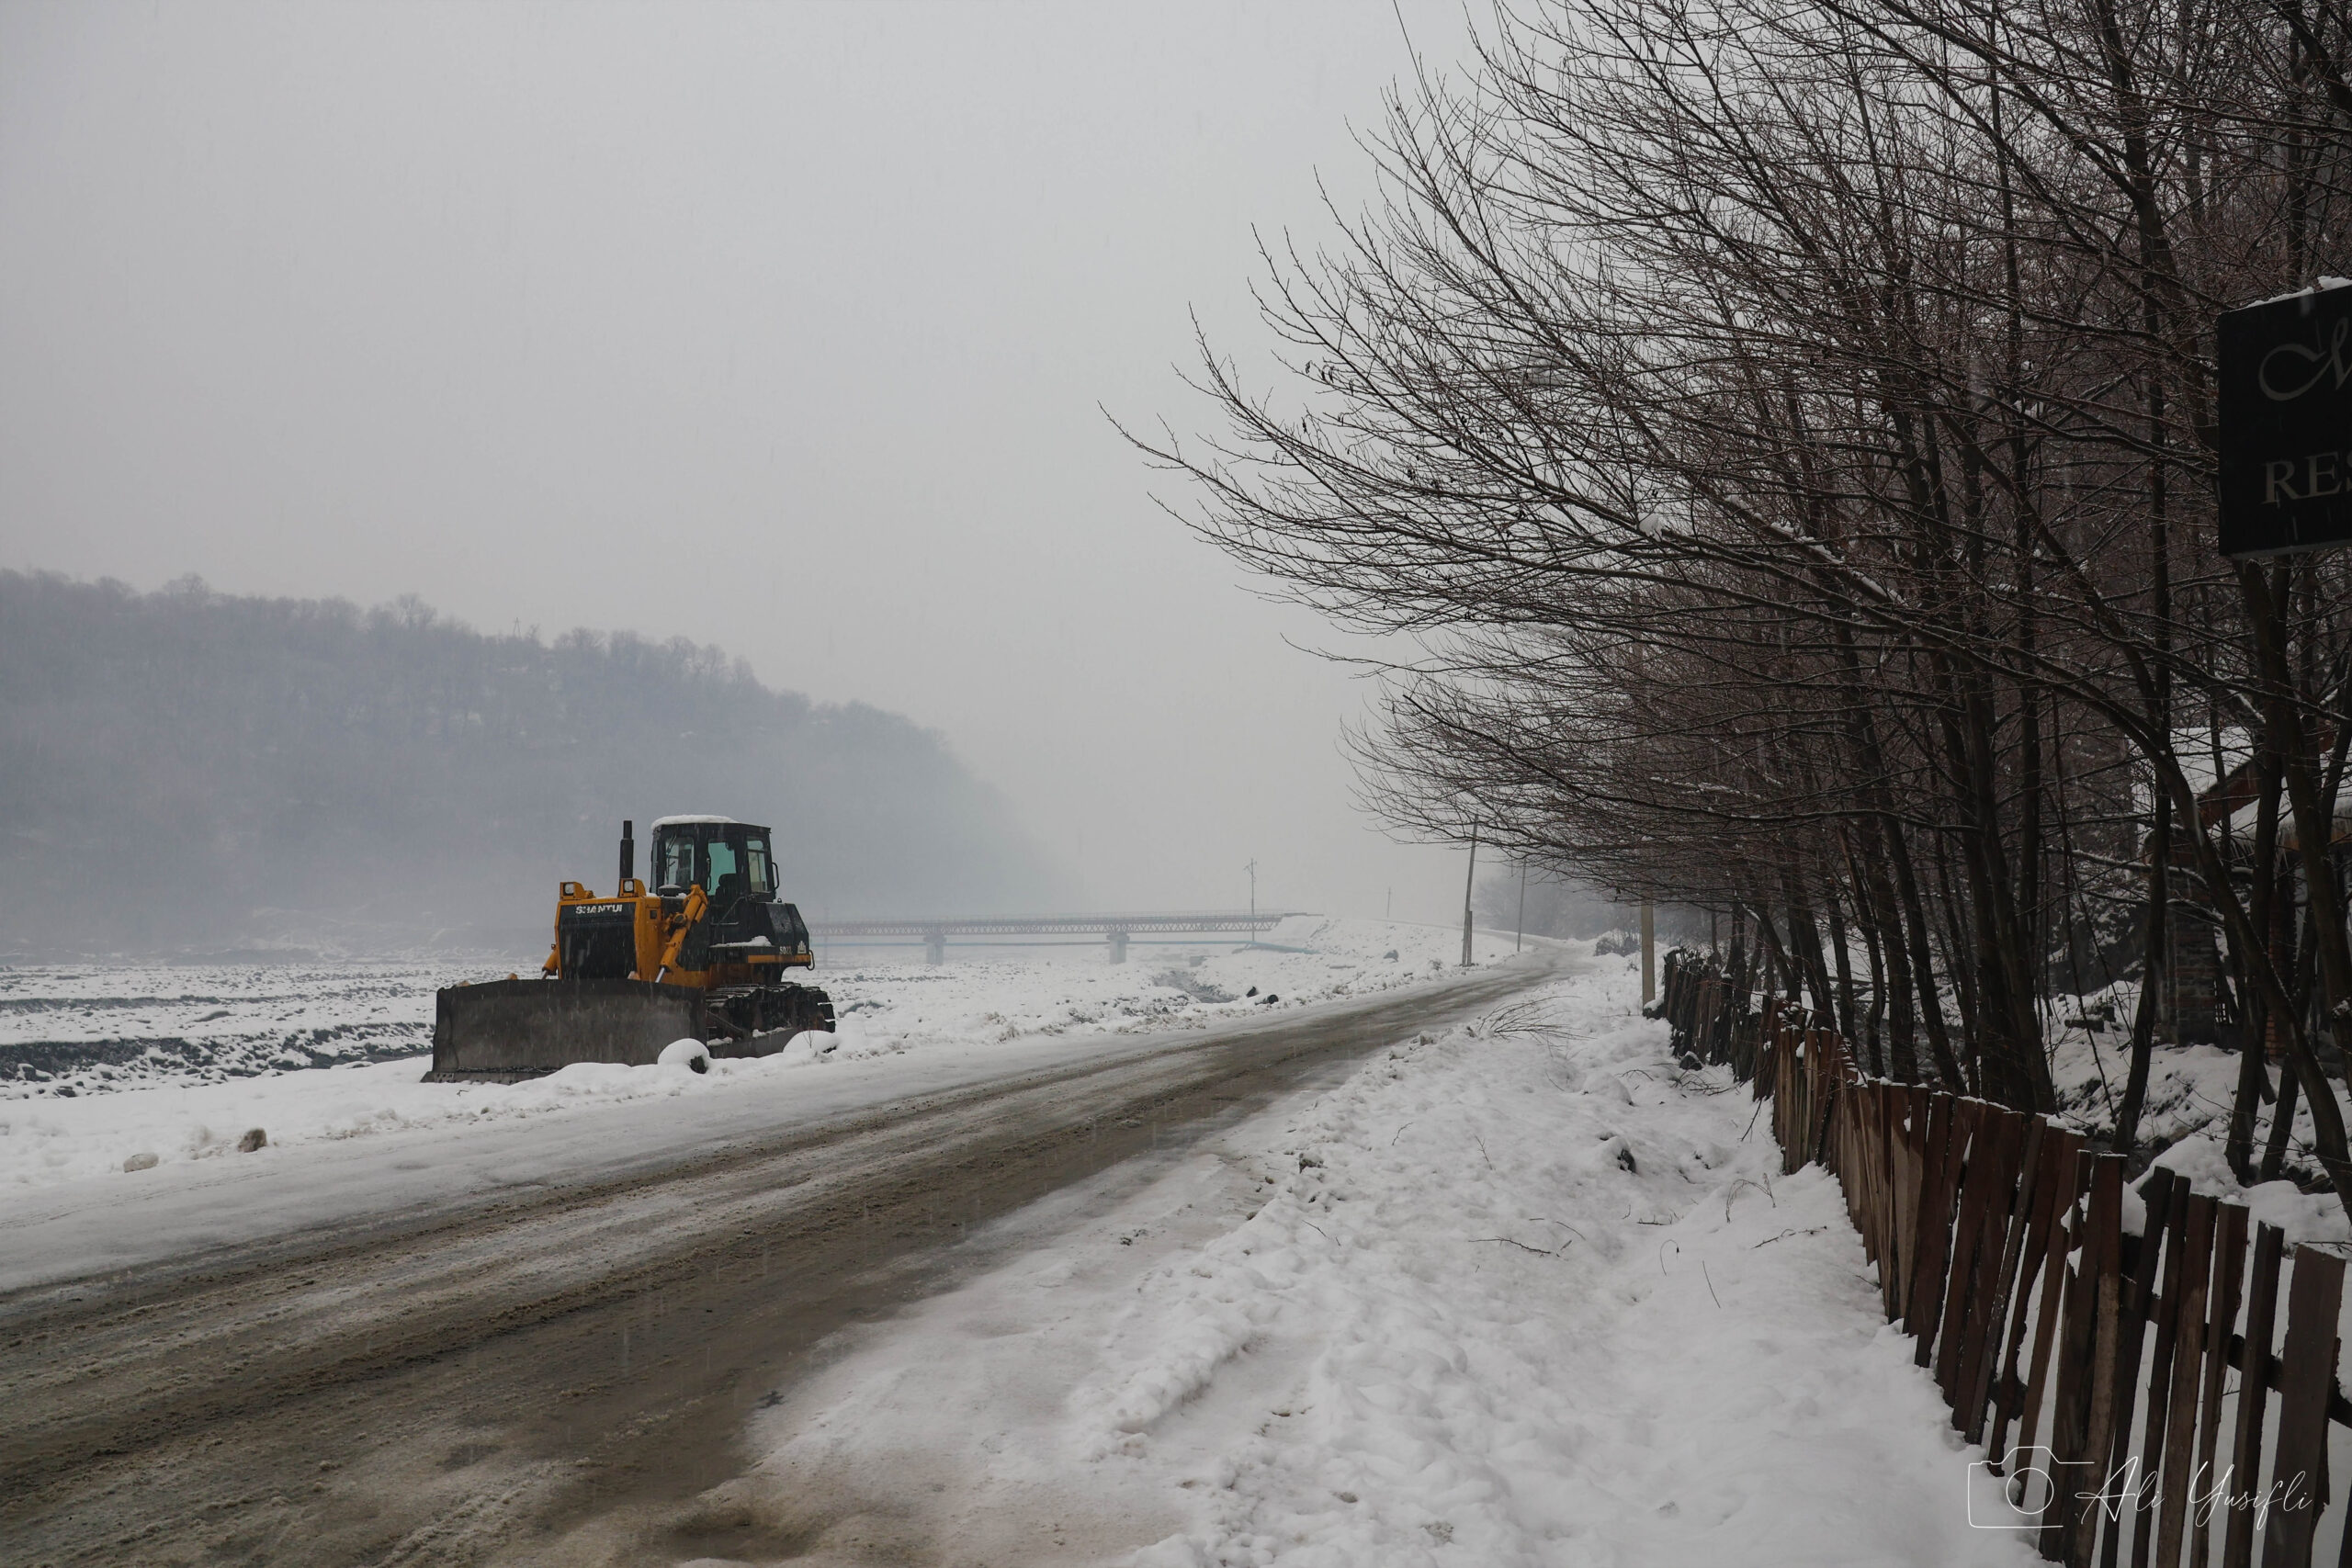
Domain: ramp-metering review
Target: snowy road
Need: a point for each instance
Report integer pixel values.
(448, 1348)
(1521, 1293)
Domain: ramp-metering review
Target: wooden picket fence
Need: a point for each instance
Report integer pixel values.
(2093, 1365)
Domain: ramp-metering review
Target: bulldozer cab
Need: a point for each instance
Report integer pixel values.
(727, 860)
(734, 864)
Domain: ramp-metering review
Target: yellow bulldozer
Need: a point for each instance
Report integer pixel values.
(701, 955)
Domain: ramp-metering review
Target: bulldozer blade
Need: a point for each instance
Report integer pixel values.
(507, 1031)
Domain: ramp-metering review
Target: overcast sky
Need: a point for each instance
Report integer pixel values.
(781, 327)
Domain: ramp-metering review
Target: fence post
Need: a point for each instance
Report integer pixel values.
(1932, 1240)
(2010, 1271)
(2254, 1387)
(2186, 1319)
(2229, 1271)
(2306, 1376)
(1976, 1270)
(2085, 1418)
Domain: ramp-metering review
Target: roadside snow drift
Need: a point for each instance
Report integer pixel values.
(1526, 1293)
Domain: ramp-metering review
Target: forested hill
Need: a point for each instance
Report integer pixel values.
(185, 770)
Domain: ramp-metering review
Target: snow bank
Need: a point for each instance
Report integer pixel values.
(44, 1141)
(180, 1062)
(1526, 1293)
(2186, 1118)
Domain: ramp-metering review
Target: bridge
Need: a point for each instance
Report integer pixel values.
(999, 930)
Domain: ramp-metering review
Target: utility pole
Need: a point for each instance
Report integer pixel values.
(1253, 869)
(1471, 881)
(1649, 952)
(1519, 932)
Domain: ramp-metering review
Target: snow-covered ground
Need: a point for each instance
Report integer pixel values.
(86, 1028)
(1023, 991)
(117, 1064)
(1525, 1293)
(2186, 1118)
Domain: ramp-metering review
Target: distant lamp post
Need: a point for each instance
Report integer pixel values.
(1469, 882)
(1649, 952)
(1519, 932)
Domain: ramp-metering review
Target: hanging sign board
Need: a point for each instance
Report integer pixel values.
(2286, 425)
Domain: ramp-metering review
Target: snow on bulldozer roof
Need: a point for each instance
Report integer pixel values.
(677, 821)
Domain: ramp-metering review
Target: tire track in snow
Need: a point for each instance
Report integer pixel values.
(568, 1352)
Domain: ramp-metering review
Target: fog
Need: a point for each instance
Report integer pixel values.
(789, 329)
(195, 773)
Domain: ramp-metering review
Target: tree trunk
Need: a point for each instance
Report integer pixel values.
(2269, 899)
(2323, 918)
(1914, 924)
(2152, 977)
(1839, 950)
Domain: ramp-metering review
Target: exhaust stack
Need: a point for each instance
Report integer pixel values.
(628, 849)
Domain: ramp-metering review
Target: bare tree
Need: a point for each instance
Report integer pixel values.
(1787, 432)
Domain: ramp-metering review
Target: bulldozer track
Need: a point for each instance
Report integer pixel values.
(473, 1382)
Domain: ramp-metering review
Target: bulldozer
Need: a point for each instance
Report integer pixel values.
(702, 955)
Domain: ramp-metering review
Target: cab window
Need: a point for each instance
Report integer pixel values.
(722, 864)
(678, 862)
(755, 861)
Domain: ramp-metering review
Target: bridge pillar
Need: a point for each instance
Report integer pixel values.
(1118, 947)
(934, 948)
